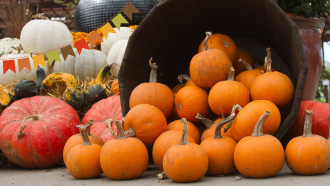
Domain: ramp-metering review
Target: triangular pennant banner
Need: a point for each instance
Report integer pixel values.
(118, 20)
(67, 50)
(39, 60)
(80, 45)
(93, 38)
(25, 62)
(52, 56)
(9, 65)
(129, 10)
(106, 29)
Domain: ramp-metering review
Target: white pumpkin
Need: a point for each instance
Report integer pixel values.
(116, 55)
(39, 36)
(87, 64)
(10, 76)
(124, 33)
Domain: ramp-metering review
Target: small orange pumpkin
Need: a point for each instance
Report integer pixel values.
(244, 55)
(192, 129)
(247, 77)
(115, 87)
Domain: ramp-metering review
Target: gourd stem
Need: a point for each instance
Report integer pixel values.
(239, 108)
(120, 131)
(268, 61)
(246, 64)
(308, 124)
(329, 127)
(83, 133)
(153, 73)
(162, 176)
(208, 36)
(22, 127)
(217, 134)
(129, 133)
(231, 74)
(259, 125)
(88, 126)
(207, 122)
(183, 76)
(184, 139)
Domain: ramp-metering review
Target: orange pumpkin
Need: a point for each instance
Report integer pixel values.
(223, 43)
(115, 87)
(147, 121)
(273, 86)
(191, 155)
(124, 157)
(191, 100)
(247, 77)
(176, 89)
(242, 54)
(77, 139)
(209, 67)
(226, 94)
(83, 160)
(153, 93)
(259, 155)
(192, 129)
(308, 154)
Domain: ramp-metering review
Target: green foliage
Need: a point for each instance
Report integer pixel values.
(325, 74)
(309, 8)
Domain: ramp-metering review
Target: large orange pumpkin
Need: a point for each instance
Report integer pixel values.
(223, 43)
(153, 93)
(247, 77)
(244, 55)
(226, 94)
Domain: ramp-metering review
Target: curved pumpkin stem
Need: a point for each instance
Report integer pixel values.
(184, 139)
(231, 74)
(217, 134)
(208, 36)
(268, 61)
(21, 133)
(153, 73)
(183, 76)
(308, 124)
(207, 122)
(162, 176)
(129, 133)
(88, 126)
(259, 125)
(83, 133)
(233, 110)
(246, 64)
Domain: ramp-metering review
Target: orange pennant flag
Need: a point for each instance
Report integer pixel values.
(93, 38)
(106, 29)
(25, 62)
(80, 45)
(8, 65)
(129, 10)
(39, 60)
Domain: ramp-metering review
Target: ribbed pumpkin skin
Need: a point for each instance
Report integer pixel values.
(308, 155)
(259, 157)
(109, 108)
(242, 54)
(42, 144)
(247, 77)
(273, 86)
(164, 142)
(217, 43)
(156, 94)
(192, 129)
(227, 94)
(147, 121)
(123, 159)
(209, 67)
(191, 100)
(246, 119)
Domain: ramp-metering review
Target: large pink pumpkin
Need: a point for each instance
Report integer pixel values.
(101, 111)
(49, 123)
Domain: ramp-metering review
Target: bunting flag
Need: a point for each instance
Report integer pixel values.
(80, 45)
(52, 56)
(93, 38)
(39, 60)
(25, 62)
(118, 20)
(67, 50)
(106, 29)
(129, 10)
(9, 65)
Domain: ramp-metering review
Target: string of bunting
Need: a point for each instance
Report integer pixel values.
(66, 50)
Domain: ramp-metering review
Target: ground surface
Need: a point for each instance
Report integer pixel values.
(59, 176)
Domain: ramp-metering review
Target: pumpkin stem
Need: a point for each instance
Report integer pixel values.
(208, 36)
(217, 134)
(109, 123)
(259, 125)
(239, 108)
(129, 133)
(183, 76)
(153, 73)
(120, 131)
(88, 126)
(162, 176)
(308, 124)
(21, 133)
(222, 112)
(207, 122)
(231, 74)
(246, 64)
(184, 139)
(84, 135)
(268, 61)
